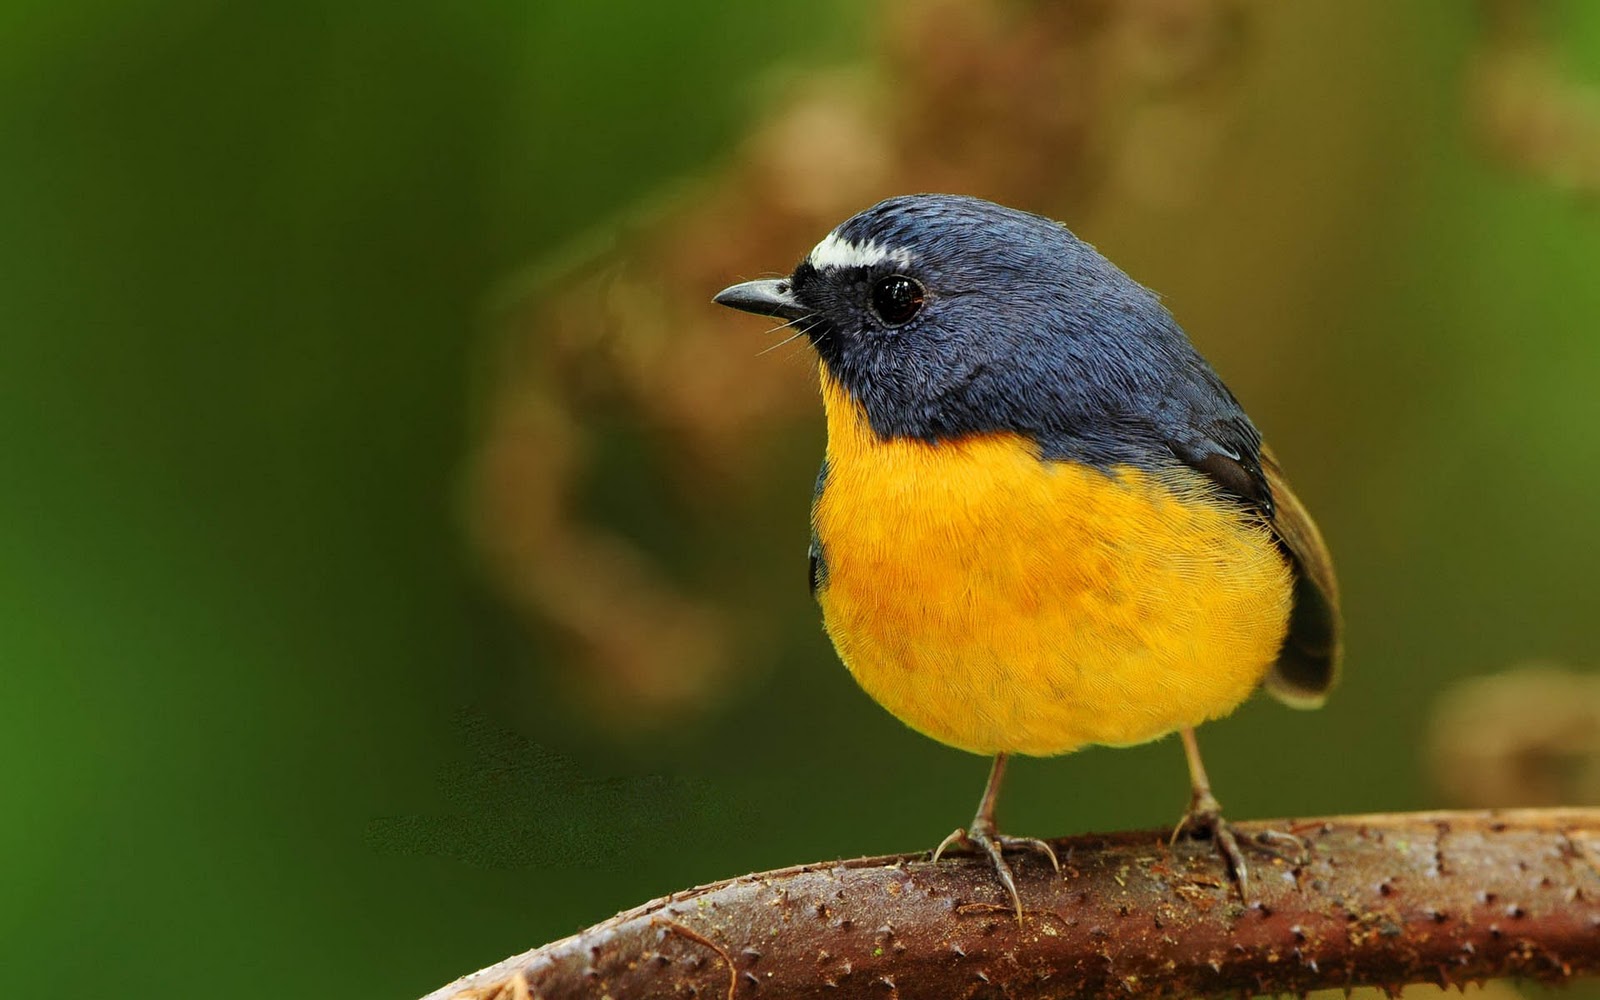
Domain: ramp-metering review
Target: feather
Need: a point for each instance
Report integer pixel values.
(1308, 663)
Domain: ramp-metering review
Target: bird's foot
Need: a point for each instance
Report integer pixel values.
(1204, 821)
(982, 837)
(1282, 844)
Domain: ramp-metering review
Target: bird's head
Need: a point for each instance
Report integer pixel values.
(943, 315)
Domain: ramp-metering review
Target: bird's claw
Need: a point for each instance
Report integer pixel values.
(982, 837)
(1204, 820)
(1281, 844)
(956, 838)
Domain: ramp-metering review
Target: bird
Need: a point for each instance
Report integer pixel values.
(1042, 521)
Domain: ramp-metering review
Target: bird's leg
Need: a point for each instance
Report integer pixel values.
(1204, 816)
(981, 835)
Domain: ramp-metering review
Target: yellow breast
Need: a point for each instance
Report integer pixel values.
(1000, 603)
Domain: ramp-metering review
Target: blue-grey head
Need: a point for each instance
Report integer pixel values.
(945, 316)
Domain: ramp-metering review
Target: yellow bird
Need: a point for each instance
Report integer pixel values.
(1042, 521)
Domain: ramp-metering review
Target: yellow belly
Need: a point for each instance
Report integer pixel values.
(999, 603)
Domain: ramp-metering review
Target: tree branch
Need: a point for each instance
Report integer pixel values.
(1380, 900)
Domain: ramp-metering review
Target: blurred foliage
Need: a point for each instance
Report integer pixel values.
(403, 560)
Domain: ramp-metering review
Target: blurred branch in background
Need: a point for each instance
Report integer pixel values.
(1526, 737)
(1443, 898)
(1043, 105)
(1527, 108)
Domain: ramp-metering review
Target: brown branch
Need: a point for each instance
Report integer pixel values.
(1379, 900)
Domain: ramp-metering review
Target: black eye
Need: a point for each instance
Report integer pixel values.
(896, 299)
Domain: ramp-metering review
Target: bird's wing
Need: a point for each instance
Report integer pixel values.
(817, 573)
(1308, 661)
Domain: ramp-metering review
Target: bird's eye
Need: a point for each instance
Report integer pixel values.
(896, 299)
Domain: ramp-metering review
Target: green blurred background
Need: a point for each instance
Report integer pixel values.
(266, 717)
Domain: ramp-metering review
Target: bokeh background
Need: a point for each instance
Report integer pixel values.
(401, 562)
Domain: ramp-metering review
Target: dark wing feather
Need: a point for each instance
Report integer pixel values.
(817, 574)
(1308, 662)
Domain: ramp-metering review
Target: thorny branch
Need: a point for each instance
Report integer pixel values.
(1381, 900)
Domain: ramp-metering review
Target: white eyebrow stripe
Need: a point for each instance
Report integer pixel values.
(836, 251)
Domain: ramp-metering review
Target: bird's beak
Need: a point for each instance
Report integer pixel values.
(770, 297)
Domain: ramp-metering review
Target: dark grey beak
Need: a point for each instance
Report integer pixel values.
(770, 297)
